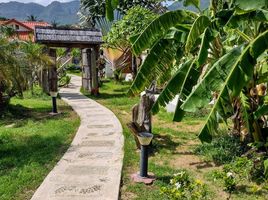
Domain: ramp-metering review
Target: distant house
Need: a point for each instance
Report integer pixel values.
(24, 29)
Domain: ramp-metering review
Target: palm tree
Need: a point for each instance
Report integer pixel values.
(20, 62)
(36, 60)
(31, 18)
(221, 53)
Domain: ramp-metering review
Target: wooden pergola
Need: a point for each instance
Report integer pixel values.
(88, 40)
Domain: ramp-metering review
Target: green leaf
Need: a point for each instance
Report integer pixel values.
(109, 10)
(203, 51)
(158, 28)
(263, 110)
(240, 74)
(115, 3)
(188, 83)
(172, 88)
(266, 168)
(245, 108)
(158, 61)
(213, 80)
(251, 4)
(200, 24)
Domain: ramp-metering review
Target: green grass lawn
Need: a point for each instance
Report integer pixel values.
(76, 72)
(31, 143)
(174, 148)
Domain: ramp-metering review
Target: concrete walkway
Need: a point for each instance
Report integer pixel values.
(91, 168)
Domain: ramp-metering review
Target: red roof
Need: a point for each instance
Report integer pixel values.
(32, 25)
(27, 24)
(25, 35)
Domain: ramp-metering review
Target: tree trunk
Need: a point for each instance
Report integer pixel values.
(134, 66)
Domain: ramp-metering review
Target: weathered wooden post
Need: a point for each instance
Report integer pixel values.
(94, 74)
(44, 80)
(141, 114)
(86, 71)
(53, 80)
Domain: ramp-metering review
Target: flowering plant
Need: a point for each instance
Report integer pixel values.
(184, 187)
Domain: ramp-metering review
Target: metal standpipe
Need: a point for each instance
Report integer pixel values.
(54, 105)
(144, 161)
(145, 139)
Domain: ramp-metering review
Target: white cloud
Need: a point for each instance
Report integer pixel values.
(43, 2)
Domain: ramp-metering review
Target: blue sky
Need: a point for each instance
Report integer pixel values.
(42, 2)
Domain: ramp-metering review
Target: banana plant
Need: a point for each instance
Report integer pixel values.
(219, 55)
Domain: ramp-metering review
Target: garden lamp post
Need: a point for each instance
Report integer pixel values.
(54, 102)
(145, 139)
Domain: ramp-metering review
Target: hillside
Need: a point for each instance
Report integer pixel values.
(63, 13)
(179, 5)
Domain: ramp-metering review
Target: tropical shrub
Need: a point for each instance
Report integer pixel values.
(19, 65)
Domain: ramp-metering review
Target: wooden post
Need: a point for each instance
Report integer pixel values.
(86, 72)
(53, 80)
(52, 74)
(44, 80)
(94, 75)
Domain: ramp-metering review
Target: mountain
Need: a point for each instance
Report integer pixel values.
(62, 13)
(179, 5)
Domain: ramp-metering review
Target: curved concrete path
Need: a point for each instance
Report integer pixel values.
(91, 168)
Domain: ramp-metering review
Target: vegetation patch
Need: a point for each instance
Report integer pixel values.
(31, 143)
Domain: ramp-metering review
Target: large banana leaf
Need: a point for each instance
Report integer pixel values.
(212, 82)
(159, 27)
(240, 74)
(251, 4)
(200, 24)
(158, 61)
(188, 82)
(172, 88)
(204, 47)
(245, 108)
